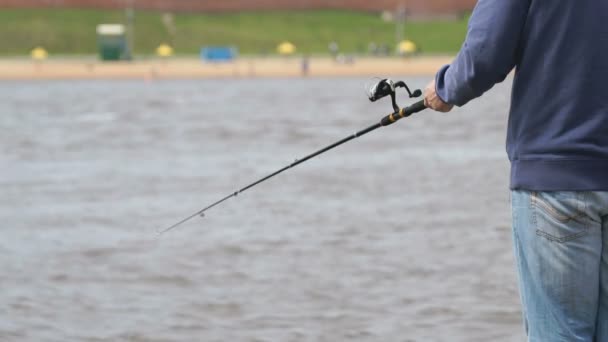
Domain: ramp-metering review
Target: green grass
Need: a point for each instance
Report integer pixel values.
(72, 31)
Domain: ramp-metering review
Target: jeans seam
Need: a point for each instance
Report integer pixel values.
(536, 203)
(562, 239)
(518, 263)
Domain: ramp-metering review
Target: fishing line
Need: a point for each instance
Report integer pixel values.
(383, 88)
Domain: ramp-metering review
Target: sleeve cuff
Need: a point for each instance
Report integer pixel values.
(440, 87)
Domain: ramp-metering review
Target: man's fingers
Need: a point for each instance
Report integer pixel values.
(444, 108)
(433, 101)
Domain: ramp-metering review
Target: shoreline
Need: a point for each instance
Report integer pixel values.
(192, 68)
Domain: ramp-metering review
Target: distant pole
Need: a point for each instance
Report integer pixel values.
(130, 14)
(400, 22)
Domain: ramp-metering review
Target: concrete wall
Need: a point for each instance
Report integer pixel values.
(416, 7)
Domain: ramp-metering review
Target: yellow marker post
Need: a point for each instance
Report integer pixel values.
(407, 47)
(39, 54)
(286, 48)
(164, 51)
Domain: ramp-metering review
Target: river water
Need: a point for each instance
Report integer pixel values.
(400, 235)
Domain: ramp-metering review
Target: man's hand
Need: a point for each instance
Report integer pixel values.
(433, 101)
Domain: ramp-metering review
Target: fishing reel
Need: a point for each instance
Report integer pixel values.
(388, 87)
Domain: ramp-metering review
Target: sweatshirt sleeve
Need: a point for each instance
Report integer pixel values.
(488, 54)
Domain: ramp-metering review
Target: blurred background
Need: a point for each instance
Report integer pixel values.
(66, 27)
(119, 118)
(239, 38)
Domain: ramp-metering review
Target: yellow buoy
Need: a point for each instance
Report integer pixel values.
(286, 48)
(406, 47)
(164, 50)
(39, 54)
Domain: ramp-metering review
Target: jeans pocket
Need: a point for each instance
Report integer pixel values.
(559, 216)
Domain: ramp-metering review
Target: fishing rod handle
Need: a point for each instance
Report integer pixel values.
(403, 113)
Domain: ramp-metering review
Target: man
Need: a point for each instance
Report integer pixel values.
(557, 142)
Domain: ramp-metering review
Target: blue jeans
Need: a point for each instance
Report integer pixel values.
(561, 248)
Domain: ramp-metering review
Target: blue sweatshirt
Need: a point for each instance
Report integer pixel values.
(557, 136)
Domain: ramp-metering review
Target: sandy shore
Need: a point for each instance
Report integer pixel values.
(194, 68)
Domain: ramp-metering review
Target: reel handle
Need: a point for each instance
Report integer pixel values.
(403, 113)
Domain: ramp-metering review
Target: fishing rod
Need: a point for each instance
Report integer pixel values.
(381, 89)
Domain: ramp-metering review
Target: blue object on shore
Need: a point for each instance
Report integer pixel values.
(218, 53)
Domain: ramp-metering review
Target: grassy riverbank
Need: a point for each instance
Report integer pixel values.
(72, 31)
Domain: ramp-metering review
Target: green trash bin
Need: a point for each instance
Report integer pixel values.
(112, 42)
